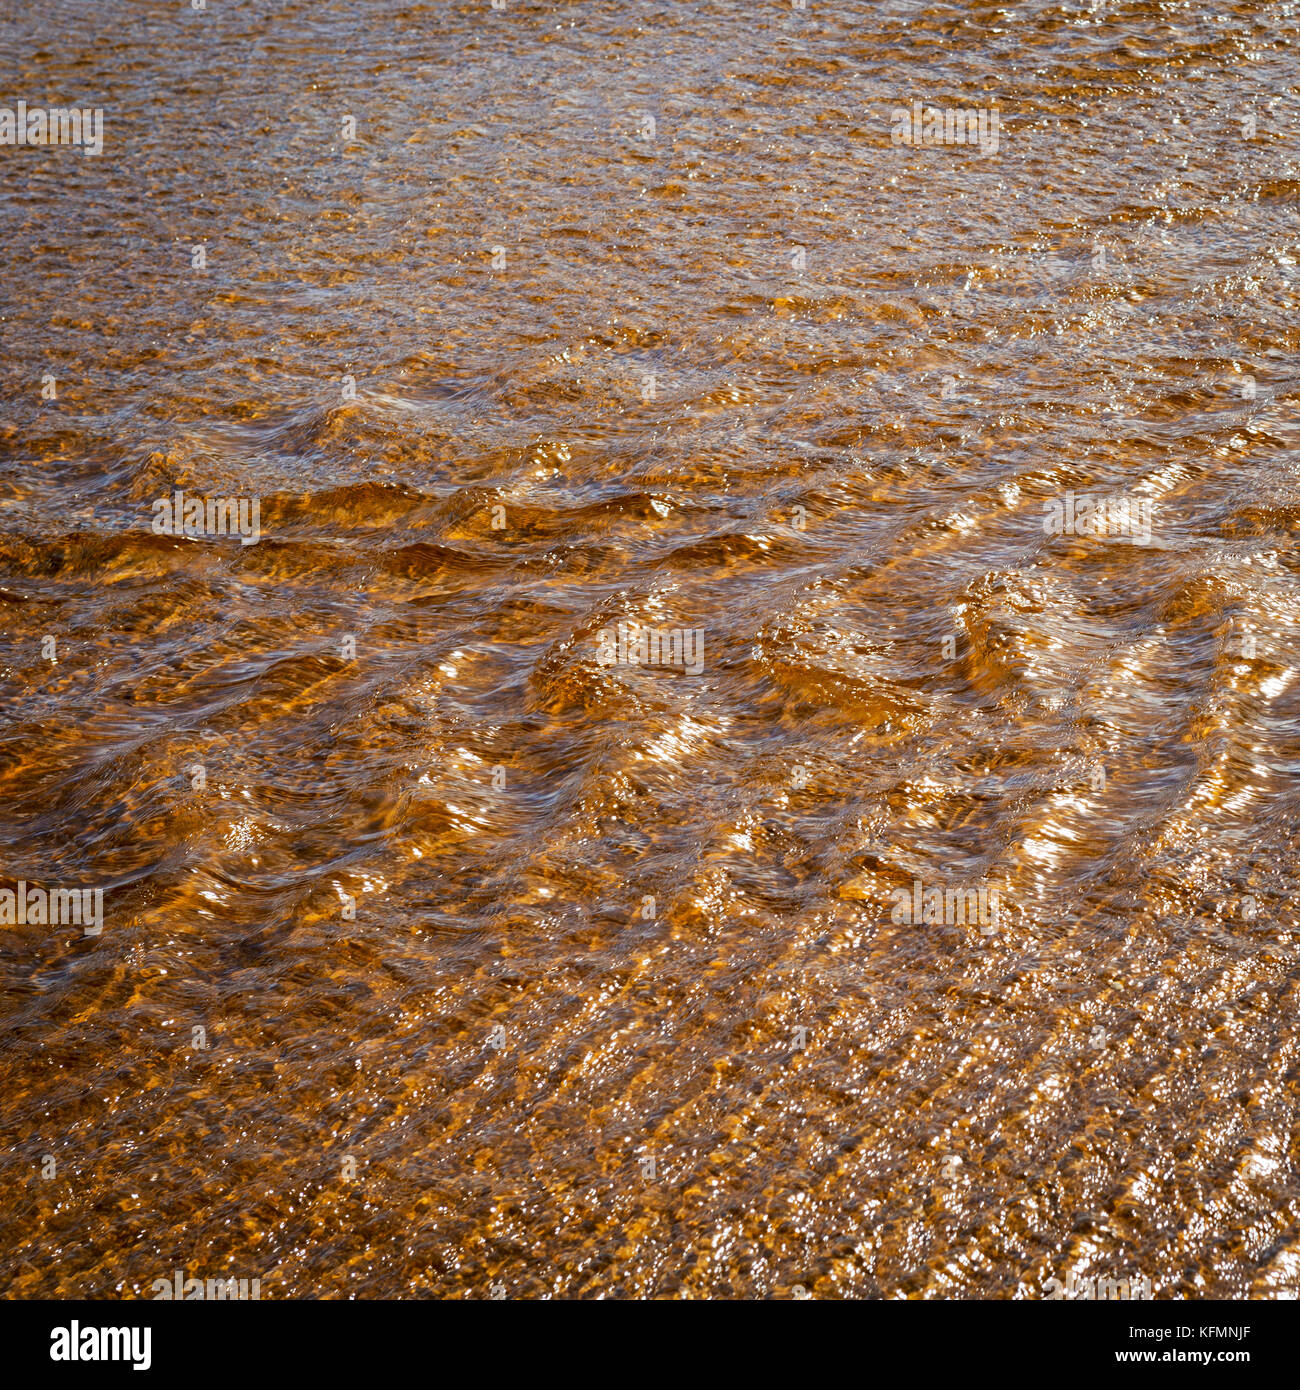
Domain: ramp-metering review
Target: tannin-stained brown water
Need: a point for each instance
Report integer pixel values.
(451, 950)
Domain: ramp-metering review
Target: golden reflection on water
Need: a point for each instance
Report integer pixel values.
(443, 957)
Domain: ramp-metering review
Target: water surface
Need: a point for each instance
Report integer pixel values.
(623, 1008)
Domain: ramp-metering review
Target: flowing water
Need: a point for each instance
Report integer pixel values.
(444, 955)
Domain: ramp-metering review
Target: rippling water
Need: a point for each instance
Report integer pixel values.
(443, 956)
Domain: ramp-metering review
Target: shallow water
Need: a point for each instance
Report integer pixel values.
(624, 1007)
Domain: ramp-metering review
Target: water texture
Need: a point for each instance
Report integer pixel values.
(443, 956)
